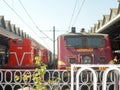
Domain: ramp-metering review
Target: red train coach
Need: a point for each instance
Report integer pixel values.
(83, 48)
(45, 55)
(22, 52)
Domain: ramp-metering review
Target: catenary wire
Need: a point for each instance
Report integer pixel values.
(72, 15)
(20, 18)
(74, 21)
(33, 20)
(78, 12)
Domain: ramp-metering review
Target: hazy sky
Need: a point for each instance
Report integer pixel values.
(42, 15)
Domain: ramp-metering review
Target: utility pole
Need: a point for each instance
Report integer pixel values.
(53, 43)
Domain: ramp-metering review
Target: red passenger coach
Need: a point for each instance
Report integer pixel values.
(83, 48)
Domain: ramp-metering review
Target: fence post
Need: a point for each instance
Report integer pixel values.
(94, 77)
(105, 76)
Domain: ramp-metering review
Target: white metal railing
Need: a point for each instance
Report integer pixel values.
(8, 81)
(85, 77)
(112, 72)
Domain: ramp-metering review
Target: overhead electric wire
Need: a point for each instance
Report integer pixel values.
(33, 21)
(16, 13)
(36, 25)
(26, 12)
(72, 14)
(19, 16)
(78, 12)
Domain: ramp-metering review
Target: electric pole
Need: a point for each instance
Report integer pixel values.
(53, 43)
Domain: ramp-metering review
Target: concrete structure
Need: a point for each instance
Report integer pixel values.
(110, 24)
(8, 30)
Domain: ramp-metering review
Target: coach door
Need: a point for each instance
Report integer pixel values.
(87, 59)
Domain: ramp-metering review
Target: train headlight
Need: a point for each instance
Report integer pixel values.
(20, 41)
(87, 60)
(72, 60)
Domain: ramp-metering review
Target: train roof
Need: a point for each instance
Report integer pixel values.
(84, 34)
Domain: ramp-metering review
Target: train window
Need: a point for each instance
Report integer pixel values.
(95, 42)
(85, 41)
(20, 41)
(73, 41)
(72, 60)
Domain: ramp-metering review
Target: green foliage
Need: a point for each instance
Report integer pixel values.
(37, 76)
(17, 78)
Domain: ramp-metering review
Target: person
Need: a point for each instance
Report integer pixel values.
(114, 61)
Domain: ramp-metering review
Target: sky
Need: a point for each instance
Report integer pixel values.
(38, 17)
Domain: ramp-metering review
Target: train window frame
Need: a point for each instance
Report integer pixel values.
(84, 41)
